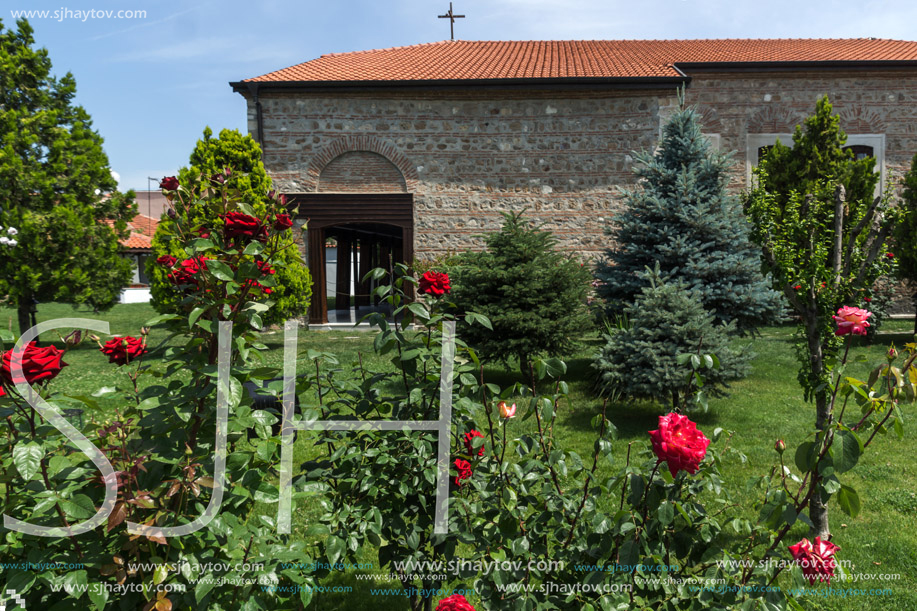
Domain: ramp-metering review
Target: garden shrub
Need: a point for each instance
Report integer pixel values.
(533, 295)
(248, 181)
(162, 442)
(667, 320)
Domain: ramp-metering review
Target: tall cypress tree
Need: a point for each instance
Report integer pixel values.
(56, 189)
(681, 217)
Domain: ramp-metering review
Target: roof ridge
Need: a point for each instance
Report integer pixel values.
(396, 48)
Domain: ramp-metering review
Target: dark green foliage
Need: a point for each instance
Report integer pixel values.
(56, 188)
(534, 296)
(906, 232)
(682, 218)
(243, 156)
(667, 319)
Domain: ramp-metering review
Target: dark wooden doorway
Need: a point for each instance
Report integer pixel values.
(381, 226)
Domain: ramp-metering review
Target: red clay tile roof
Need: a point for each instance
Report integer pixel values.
(473, 60)
(142, 229)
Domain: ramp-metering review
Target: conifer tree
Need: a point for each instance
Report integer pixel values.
(242, 155)
(61, 213)
(534, 296)
(665, 321)
(682, 217)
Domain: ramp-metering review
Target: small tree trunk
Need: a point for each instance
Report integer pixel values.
(818, 511)
(915, 315)
(23, 311)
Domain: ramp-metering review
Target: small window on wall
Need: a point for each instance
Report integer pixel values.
(861, 151)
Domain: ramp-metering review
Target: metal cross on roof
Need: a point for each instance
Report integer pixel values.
(451, 17)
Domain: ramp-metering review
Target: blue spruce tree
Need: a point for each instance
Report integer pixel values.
(682, 217)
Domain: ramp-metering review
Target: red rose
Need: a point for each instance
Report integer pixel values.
(464, 470)
(282, 222)
(456, 602)
(38, 364)
(122, 350)
(166, 260)
(202, 232)
(851, 320)
(187, 271)
(469, 437)
(867, 299)
(678, 442)
(168, 183)
(434, 283)
(797, 287)
(240, 225)
(890, 255)
(817, 561)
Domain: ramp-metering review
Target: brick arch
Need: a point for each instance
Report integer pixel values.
(774, 120)
(361, 172)
(709, 120)
(861, 120)
(364, 144)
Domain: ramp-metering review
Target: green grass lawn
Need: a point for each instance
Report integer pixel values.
(762, 408)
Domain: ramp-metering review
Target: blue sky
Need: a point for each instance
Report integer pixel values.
(152, 84)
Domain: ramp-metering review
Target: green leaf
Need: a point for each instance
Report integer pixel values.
(78, 507)
(334, 547)
(666, 513)
(805, 456)
(219, 269)
(845, 450)
(27, 459)
(253, 248)
(849, 501)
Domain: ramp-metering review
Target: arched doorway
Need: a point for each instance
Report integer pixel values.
(371, 230)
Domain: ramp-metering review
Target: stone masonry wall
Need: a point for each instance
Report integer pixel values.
(867, 102)
(561, 155)
(562, 159)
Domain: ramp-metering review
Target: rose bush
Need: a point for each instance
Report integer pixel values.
(163, 441)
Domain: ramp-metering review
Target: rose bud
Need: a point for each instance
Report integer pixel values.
(270, 194)
(507, 411)
(144, 331)
(93, 337)
(892, 354)
(780, 446)
(171, 213)
(74, 338)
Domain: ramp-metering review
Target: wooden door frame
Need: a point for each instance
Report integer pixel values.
(325, 210)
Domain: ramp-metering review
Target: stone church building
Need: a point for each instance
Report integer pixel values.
(414, 151)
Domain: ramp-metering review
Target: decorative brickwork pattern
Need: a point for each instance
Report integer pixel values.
(361, 172)
(861, 120)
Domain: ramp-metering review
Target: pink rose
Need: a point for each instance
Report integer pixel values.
(817, 561)
(678, 442)
(851, 320)
(506, 411)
